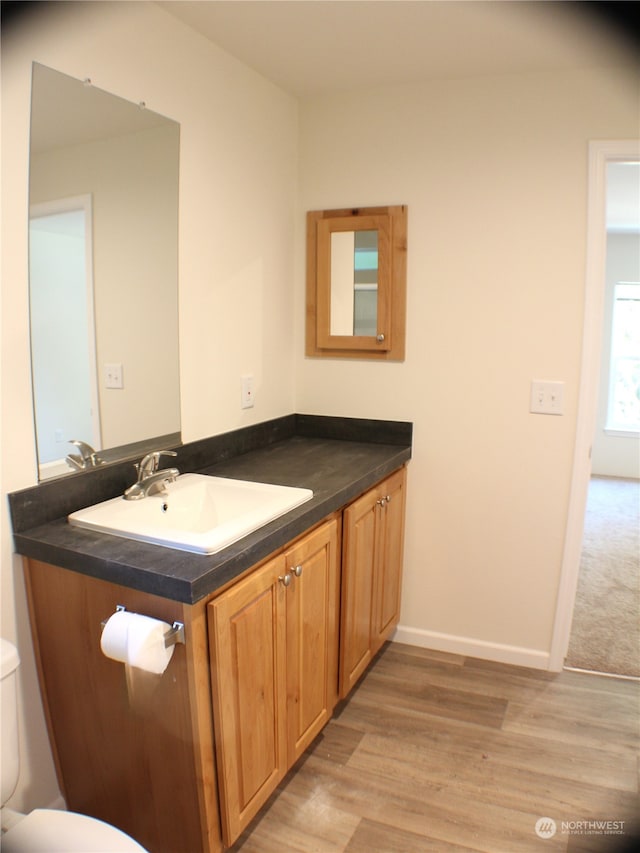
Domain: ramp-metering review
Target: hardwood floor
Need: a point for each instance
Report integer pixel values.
(436, 753)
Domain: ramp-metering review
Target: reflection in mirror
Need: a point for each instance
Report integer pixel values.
(103, 273)
(365, 286)
(62, 342)
(354, 282)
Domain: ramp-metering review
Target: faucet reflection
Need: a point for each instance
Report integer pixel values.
(86, 458)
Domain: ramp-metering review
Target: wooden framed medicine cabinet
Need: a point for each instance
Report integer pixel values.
(356, 282)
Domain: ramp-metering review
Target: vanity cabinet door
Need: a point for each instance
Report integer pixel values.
(312, 635)
(247, 635)
(358, 564)
(274, 670)
(373, 529)
(390, 549)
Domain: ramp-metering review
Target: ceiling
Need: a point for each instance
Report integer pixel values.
(312, 47)
(318, 47)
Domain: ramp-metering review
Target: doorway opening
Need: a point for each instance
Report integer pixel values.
(605, 631)
(63, 344)
(601, 155)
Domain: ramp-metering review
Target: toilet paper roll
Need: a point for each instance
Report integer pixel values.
(136, 640)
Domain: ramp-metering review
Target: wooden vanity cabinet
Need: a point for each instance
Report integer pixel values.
(274, 652)
(185, 760)
(373, 531)
(132, 748)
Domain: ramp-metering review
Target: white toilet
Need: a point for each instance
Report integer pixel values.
(44, 830)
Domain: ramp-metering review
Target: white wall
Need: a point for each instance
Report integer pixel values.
(238, 178)
(615, 455)
(494, 173)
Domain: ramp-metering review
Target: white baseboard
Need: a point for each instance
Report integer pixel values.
(515, 655)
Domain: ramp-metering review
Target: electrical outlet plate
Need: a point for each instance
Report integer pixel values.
(547, 398)
(113, 376)
(246, 400)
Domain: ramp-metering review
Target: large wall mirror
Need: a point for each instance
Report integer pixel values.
(103, 273)
(356, 282)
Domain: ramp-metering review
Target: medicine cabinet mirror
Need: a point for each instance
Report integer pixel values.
(356, 282)
(103, 273)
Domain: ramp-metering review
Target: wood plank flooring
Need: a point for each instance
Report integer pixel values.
(435, 753)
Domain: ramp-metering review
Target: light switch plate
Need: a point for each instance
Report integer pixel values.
(547, 398)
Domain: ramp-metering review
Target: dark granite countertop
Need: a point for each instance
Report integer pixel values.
(337, 458)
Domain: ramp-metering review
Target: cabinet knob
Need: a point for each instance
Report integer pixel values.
(381, 502)
(387, 498)
(380, 338)
(296, 570)
(285, 580)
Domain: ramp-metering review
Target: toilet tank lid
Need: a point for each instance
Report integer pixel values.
(9, 660)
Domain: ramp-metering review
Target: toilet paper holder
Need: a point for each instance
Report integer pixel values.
(173, 636)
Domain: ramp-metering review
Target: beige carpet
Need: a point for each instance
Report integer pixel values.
(605, 633)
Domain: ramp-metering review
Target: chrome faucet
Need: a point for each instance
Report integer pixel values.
(86, 458)
(152, 481)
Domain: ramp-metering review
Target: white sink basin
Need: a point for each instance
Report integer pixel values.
(198, 513)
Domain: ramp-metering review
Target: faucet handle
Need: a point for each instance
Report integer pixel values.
(151, 461)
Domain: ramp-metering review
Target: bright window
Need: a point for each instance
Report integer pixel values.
(624, 380)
